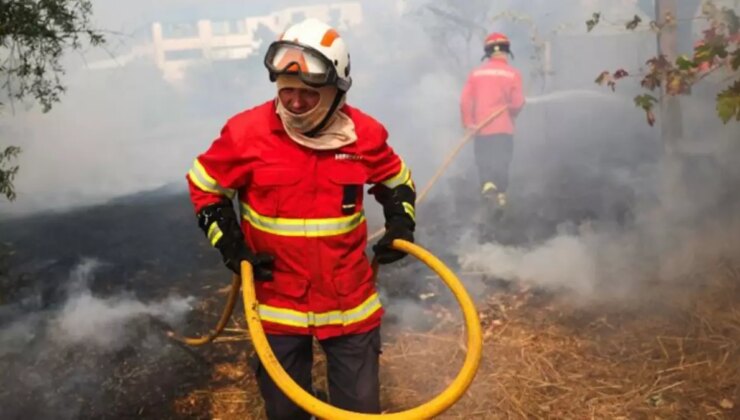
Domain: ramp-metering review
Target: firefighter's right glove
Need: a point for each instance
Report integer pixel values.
(221, 226)
(400, 219)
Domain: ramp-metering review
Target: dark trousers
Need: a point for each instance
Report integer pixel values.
(493, 155)
(352, 367)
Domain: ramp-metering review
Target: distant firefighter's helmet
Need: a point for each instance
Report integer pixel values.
(497, 42)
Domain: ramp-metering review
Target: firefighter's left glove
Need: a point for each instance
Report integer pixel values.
(384, 251)
(221, 226)
(400, 220)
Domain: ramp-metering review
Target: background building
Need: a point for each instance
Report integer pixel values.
(179, 45)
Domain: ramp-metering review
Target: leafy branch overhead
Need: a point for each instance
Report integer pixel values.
(610, 79)
(647, 102)
(632, 25)
(33, 38)
(728, 103)
(34, 34)
(718, 50)
(591, 23)
(8, 172)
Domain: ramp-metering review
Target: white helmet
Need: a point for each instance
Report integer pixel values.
(314, 51)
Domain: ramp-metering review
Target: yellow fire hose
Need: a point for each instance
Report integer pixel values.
(469, 135)
(235, 282)
(318, 408)
(323, 410)
(225, 315)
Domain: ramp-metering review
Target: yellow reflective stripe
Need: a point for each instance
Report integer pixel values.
(207, 183)
(402, 177)
(410, 184)
(310, 228)
(214, 233)
(409, 209)
(488, 186)
(283, 316)
(307, 319)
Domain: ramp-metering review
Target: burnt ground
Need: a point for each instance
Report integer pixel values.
(149, 248)
(146, 247)
(540, 350)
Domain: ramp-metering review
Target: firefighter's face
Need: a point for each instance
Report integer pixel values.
(298, 100)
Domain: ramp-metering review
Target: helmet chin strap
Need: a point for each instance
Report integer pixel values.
(335, 104)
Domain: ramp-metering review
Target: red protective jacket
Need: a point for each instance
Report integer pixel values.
(305, 207)
(492, 85)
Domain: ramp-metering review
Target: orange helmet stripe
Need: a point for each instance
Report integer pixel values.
(329, 37)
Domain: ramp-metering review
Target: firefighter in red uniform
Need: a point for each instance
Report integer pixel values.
(298, 165)
(492, 86)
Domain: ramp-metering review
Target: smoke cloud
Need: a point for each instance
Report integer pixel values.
(60, 361)
(88, 319)
(103, 322)
(597, 211)
(582, 153)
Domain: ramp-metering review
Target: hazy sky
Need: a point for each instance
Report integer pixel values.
(125, 129)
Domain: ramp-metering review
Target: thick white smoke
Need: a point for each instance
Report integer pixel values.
(89, 320)
(102, 322)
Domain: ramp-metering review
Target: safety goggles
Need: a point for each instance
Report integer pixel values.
(313, 68)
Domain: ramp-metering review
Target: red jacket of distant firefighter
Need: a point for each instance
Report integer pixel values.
(305, 207)
(491, 86)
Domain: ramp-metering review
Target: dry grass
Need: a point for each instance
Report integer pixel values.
(673, 354)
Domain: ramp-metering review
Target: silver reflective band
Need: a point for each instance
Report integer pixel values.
(306, 319)
(402, 177)
(205, 182)
(302, 227)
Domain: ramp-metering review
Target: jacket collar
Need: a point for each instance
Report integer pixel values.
(276, 124)
(273, 120)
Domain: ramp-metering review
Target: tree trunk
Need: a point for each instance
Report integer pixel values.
(670, 106)
(669, 231)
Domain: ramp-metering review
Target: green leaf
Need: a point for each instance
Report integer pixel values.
(603, 78)
(728, 103)
(646, 101)
(731, 19)
(683, 62)
(591, 23)
(9, 152)
(703, 53)
(632, 25)
(735, 61)
(8, 173)
(721, 51)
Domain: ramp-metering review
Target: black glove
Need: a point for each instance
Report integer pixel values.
(383, 249)
(221, 226)
(398, 209)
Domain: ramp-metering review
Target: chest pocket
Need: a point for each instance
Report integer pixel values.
(349, 177)
(271, 188)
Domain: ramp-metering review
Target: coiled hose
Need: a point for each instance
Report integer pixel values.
(321, 409)
(308, 402)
